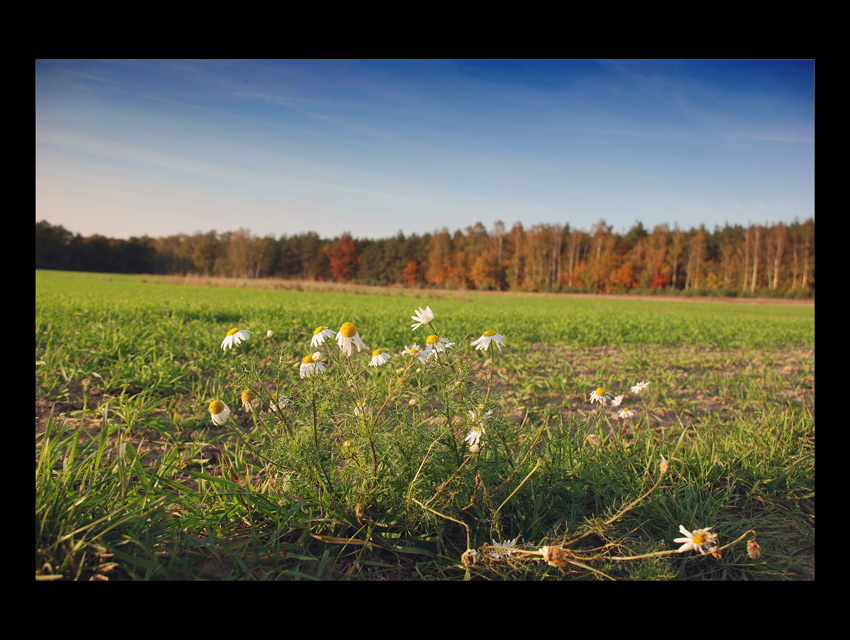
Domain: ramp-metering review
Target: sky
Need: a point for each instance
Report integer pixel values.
(372, 147)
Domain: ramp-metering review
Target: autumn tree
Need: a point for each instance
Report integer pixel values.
(515, 270)
(342, 254)
(438, 257)
(410, 274)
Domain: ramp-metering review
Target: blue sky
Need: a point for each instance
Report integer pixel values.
(372, 147)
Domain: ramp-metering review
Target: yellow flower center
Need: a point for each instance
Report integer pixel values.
(432, 339)
(377, 352)
(308, 359)
(699, 538)
(216, 407)
(232, 331)
(413, 352)
(348, 330)
(247, 395)
(600, 391)
(625, 409)
(487, 334)
(318, 330)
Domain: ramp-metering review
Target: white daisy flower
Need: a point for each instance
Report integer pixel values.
(600, 395)
(250, 401)
(348, 334)
(422, 317)
(311, 365)
(505, 550)
(414, 351)
(640, 386)
(626, 413)
(319, 336)
(379, 358)
(219, 412)
(474, 436)
(234, 337)
(617, 400)
(701, 540)
(435, 345)
(489, 336)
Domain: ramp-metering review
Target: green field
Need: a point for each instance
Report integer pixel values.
(134, 481)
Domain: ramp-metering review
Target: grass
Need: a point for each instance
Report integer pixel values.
(134, 481)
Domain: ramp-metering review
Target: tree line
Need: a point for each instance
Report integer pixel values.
(772, 260)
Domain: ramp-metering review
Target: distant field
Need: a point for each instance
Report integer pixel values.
(142, 354)
(555, 319)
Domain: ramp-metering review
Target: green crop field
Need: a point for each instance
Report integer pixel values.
(469, 465)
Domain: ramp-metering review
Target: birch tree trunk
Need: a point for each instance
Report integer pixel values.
(755, 261)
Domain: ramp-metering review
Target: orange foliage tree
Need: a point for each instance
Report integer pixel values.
(343, 258)
(410, 273)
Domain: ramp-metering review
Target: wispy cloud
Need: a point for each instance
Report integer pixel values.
(785, 135)
(111, 149)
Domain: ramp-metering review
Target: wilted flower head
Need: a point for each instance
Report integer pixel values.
(753, 549)
(319, 335)
(663, 466)
(554, 556)
(311, 364)
(270, 334)
(278, 403)
(250, 401)
(505, 550)
(600, 395)
(219, 412)
(348, 334)
(640, 386)
(701, 540)
(469, 557)
(379, 358)
(479, 417)
(234, 337)
(489, 336)
(422, 317)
